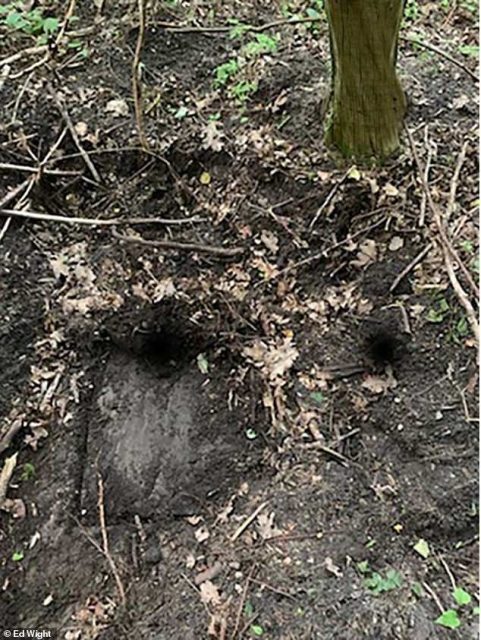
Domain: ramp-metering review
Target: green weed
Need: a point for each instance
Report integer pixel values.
(378, 583)
(453, 618)
(32, 23)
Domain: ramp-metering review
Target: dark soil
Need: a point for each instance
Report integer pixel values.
(233, 446)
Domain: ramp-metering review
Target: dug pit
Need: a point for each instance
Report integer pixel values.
(165, 435)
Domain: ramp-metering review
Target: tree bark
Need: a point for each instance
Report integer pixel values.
(368, 103)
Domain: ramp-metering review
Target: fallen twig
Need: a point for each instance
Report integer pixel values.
(95, 222)
(21, 168)
(454, 182)
(136, 88)
(5, 475)
(242, 601)
(416, 260)
(11, 195)
(105, 540)
(440, 52)
(75, 138)
(449, 252)
(177, 28)
(182, 246)
(422, 209)
(248, 521)
(329, 198)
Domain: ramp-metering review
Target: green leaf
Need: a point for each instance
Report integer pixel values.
(417, 589)
(461, 596)
(181, 113)
(434, 316)
(363, 566)
(475, 611)
(17, 556)
(317, 396)
(422, 548)
(251, 434)
(202, 363)
(50, 25)
(248, 609)
(28, 471)
(257, 630)
(449, 619)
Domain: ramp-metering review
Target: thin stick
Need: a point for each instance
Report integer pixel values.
(440, 52)
(75, 137)
(5, 476)
(242, 601)
(438, 219)
(25, 52)
(95, 222)
(463, 298)
(11, 195)
(422, 211)
(455, 179)
(416, 260)
(248, 521)
(182, 246)
(434, 596)
(105, 540)
(168, 26)
(66, 20)
(330, 196)
(448, 571)
(136, 88)
(27, 169)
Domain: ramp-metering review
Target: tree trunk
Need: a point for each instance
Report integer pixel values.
(368, 103)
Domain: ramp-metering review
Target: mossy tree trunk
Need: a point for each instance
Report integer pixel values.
(368, 103)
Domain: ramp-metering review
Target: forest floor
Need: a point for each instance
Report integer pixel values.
(266, 424)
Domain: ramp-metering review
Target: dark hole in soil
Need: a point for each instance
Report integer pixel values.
(165, 350)
(383, 347)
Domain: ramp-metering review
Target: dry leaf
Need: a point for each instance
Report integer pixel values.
(270, 240)
(396, 243)
(209, 593)
(117, 107)
(213, 136)
(202, 534)
(367, 254)
(81, 129)
(5, 475)
(390, 190)
(332, 568)
(274, 360)
(16, 508)
(266, 527)
(378, 384)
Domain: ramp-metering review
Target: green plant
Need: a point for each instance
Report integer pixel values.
(261, 44)
(469, 50)
(452, 618)
(28, 471)
(376, 582)
(224, 72)
(242, 90)
(32, 22)
(438, 312)
(411, 10)
(233, 72)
